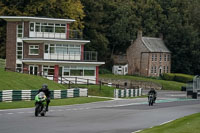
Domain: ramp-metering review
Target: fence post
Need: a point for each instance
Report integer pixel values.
(75, 80)
(100, 83)
(87, 82)
(69, 85)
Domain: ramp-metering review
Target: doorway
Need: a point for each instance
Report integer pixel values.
(33, 69)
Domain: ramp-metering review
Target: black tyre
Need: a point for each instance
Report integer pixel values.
(36, 110)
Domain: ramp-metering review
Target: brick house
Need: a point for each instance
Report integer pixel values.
(148, 56)
(47, 47)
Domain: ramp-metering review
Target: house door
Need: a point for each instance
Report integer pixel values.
(33, 69)
(160, 71)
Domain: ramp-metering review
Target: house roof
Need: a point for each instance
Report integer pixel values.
(27, 18)
(155, 44)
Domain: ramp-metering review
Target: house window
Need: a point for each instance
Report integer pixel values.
(155, 69)
(19, 31)
(152, 69)
(160, 57)
(167, 69)
(164, 69)
(19, 50)
(152, 57)
(155, 57)
(165, 57)
(168, 59)
(33, 50)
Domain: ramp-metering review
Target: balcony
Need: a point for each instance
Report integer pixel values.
(69, 35)
(72, 56)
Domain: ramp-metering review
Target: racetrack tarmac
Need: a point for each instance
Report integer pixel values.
(116, 116)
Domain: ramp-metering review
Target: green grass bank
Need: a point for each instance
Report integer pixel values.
(167, 85)
(19, 81)
(187, 124)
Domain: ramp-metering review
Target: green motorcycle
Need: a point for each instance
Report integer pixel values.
(40, 104)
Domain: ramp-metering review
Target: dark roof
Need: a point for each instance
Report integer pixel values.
(155, 44)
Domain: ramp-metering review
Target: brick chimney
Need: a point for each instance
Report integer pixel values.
(139, 34)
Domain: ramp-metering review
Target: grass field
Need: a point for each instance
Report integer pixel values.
(188, 124)
(167, 85)
(54, 102)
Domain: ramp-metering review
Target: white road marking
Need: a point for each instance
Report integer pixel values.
(137, 131)
(30, 112)
(20, 112)
(166, 122)
(9, 113)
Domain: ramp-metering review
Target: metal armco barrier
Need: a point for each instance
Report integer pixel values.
(119, 93)
(18, 95)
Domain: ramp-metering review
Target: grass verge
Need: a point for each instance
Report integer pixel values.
(187, 124)
(54, 102)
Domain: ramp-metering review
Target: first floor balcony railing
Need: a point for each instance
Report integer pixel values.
(72, 56)
(68, 34)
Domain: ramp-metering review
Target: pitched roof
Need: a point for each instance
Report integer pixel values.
(155, 44)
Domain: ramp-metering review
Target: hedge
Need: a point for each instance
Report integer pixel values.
(184, 78)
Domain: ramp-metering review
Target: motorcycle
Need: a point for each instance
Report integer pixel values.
(40, 104)
(151, 99)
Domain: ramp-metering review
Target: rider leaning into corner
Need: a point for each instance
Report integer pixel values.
(47, 93)
(153, 91)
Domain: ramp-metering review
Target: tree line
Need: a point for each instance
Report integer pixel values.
(111, 25)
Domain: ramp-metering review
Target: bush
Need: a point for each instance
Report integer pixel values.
(168, 76)
(184, 78)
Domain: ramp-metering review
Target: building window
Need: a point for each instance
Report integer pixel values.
(78, 71)
(33, 50)
(155, 57)
(19, 50)
(48, 70)
(63, 49)
(168, 59)
(160, 57)
(19, 31)
(152, 57)
(164, 69)
(60, 28)
(165, 57)
(155, 69)
(31, 26)
(152, 69)
(37, 27)
(48, 27)
(167, 69)
(19, 67)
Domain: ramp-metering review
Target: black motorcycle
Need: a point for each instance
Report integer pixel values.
(151, 99)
